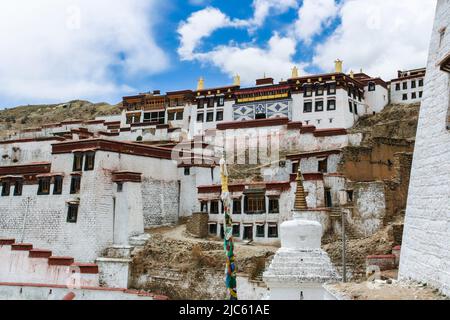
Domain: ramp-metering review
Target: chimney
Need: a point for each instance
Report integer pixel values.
(338, 66)
(264, 81)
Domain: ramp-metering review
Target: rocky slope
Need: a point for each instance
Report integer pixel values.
(31, 116)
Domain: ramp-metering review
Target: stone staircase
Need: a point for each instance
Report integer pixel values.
(336, 215)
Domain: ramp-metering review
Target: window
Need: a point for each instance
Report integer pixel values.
(18, 187)
(75, 185)
(397, 87)
(413, 95)
(372, 86)
(210, 117)
(255, 204)
(177, 115)
(308, 91)
(319, 106)
(90, 161)
(349, 196)
(319, 90)
(77, 162)
(119, 187)
(58, 185)
(349, 92)
(236, 230)
(350, 104)
(273, 231)
(213, 229)
(323, 166)
(261, 231)
(204, 206)
(221, 102)
(413, 84)
(159, 117)
(72, 213)
(6, 188)
(237, 206)
(405, 97)
(405, 85)
(420, 94)
(331, 120)
(200, 117)
(214, 207)
(219, 115)
(307, 107)
(211, 103)
(274, 206)
(200, 104)
(355, 108)
(187, 171)
(44, 186)
(332, 88)
(331, 105)
(328, 198)
(421, 83)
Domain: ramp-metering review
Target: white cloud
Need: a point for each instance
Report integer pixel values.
(313, 16)
(199, 25)
(379, 36)
(252, 62)
(263, 8)
(58, 50)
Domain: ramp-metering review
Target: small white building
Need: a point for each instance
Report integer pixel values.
(408, 86)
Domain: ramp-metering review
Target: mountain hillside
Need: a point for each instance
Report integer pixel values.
(31, 116)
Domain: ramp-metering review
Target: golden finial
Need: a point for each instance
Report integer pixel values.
(300, 198)
(237, 80)
(294, 72)
(338, 66)
(352, 74)
(200, 84)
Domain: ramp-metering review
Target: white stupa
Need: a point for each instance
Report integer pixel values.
(300, 268)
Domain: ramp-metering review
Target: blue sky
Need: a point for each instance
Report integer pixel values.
(58, 50)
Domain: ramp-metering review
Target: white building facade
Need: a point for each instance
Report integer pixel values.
(425, 255)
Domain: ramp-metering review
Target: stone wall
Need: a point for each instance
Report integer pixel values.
(425, 250)
(198, 225)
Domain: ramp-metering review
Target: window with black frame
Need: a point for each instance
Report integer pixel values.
(44, 186)
(89, 163)
(6, 188)
(58, 185)
(332, 88)
(260, 231)
(72, 213)
(18, 187)
(214, 207)
(274, 205)
(237, 206)
(75, 184)
(273, 231)
(78, 161)
(255, 203)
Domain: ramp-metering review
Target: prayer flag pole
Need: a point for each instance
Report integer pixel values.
(230, 270)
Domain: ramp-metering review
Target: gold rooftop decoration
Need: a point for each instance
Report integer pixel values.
(294, 72)
(237, 80)
(338, 66)
(200, 84)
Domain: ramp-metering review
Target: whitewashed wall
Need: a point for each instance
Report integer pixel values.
(425, 253)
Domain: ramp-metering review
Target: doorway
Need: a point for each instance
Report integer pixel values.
(248, 233)
(328, 198)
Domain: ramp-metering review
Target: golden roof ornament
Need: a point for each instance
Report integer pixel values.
(294, 72)
(338, 66)
(237, 80)
(300, 197)
(352, 74)
(200, 84)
